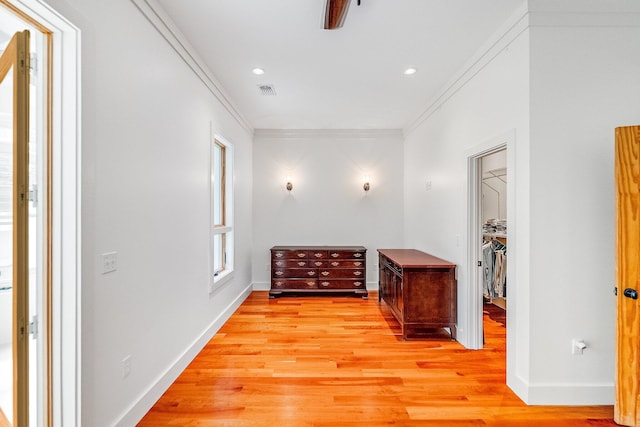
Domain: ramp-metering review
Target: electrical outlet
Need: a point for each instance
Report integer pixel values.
(578, 346)
(428, 186)
(126, 366)
(109, 262)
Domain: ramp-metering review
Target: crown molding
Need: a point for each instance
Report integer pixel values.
(333, 134)
(161, 21)
(584, 19)
(502, 38)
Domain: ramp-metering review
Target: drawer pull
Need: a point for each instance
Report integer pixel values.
(311, 284)
(335, 263)
(301, 255)
(357, 283)
(278, 284)
(357, 255)
(279, 255)
(325, 273)
(302, 263)
(325, 284)
(318, 255)
(335, 255)
(311, 273)
(357, 263)
(279, 263)
(357, 273)
(279, 273)
(318, 263)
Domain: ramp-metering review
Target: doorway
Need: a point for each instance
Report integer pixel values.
(497, 205)
(494, 226)
(52, 324)
(23, 238)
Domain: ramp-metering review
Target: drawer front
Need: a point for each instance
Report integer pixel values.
(341, 273)
(294, 272)
(294, 284)
(350, 263)
(341, 284)
(314, 263)
(291, 263)
(283, 254)
(318, 254)
(346, 255)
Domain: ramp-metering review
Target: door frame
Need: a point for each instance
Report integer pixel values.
(62, 325)
(474, 308)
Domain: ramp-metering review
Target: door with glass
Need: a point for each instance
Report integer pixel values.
(14, 230)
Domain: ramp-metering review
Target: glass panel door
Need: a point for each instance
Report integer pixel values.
(14, 247)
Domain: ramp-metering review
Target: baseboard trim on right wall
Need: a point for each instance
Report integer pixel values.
(563, 394)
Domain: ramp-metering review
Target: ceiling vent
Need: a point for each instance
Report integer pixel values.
(267, 90)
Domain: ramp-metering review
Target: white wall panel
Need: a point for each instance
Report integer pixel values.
(327, 205)
(146, 120)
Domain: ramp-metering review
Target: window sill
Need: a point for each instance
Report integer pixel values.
(221, 279)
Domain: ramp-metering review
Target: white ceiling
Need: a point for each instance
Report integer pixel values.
(349, 78)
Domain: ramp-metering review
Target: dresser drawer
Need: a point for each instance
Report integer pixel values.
(315, 263)
(337, 254)
(341, 273)
(341, 284)
(317, 254)
(292, 263)
(294, 272)
(294, 284)
(349, 263)
(289, 254)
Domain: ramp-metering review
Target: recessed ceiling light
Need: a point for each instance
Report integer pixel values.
(410, 71)
(258, 71)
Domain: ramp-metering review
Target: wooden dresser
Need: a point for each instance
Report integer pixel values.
(420, 289)
(318, 269)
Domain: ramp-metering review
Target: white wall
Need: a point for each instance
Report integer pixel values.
(327, 205)
(584, 83)
(145, 171)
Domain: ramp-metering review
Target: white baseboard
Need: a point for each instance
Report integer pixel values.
(571, 394)
(261, 286)
(139, 408)
(562, 394)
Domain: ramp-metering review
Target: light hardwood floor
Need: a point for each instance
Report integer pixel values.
(339, 361)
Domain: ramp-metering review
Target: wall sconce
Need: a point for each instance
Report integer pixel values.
(366, 184)
(289, 184)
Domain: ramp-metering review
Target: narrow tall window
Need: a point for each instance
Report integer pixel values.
(221, 209)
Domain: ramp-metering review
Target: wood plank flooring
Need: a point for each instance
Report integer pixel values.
(339, 361)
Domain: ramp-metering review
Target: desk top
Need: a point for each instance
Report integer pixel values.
(413, 258)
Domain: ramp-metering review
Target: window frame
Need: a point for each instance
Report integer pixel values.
(224, 229)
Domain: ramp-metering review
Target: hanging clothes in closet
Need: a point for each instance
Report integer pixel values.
(494, 255)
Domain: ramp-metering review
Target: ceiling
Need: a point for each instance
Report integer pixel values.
(349, 78)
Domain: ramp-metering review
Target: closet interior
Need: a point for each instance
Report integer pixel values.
(494, 228)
